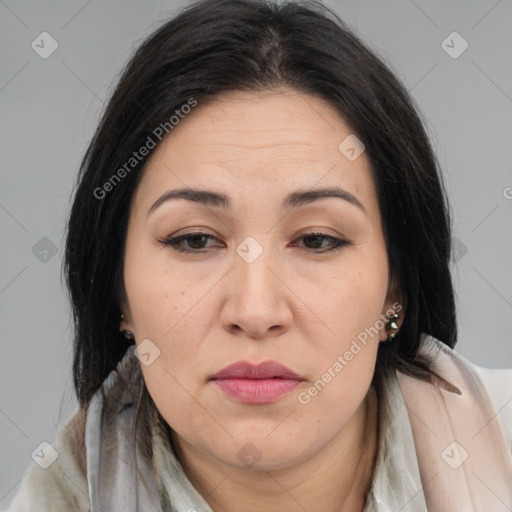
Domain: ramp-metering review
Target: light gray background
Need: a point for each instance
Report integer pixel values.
(49, 112)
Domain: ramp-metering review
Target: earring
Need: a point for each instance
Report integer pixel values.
(391, 325)
(128, 335)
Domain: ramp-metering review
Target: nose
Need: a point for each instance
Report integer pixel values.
(257, 302)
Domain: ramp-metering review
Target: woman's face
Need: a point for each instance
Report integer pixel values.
(257, 285)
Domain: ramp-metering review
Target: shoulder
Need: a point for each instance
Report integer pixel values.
(494, 385)
(60, 483)
(498, 384)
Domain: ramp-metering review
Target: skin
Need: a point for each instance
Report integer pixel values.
(296, 303)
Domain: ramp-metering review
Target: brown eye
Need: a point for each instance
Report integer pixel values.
(195, 242)
(317, 239)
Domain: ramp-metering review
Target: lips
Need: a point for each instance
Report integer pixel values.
(264, 370)
(256, 384)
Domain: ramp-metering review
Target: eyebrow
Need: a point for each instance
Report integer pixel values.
(293, 200)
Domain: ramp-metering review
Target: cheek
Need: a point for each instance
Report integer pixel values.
(342, 348)
(175, 396)
(158, 298)
(345, 308)
(331, 409)
(166, 310)
(342, 380)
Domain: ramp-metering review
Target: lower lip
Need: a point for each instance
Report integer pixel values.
(257, 391)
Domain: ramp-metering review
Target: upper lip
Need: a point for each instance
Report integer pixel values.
(264, 370)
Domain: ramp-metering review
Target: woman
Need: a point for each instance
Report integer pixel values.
(258, 262)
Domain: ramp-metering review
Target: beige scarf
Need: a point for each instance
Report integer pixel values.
(464, 456)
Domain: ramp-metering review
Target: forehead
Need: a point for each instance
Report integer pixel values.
(262, 144)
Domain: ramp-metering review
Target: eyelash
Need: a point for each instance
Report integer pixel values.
(175, 241)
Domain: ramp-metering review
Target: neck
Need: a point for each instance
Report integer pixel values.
(336, 479)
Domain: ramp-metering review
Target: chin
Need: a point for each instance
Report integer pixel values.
(263, 453)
